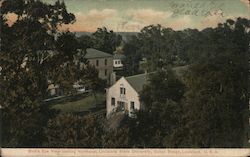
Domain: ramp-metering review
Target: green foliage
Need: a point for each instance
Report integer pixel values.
(211, 112)
(217, 91)
(32, 53)
(103, 40)
(51, 16)
(69, 130)
(162, 115)
(24, 129)
(133, 56)
(85, 42)
(151, 128)
(163, 85)
(214, 106)
(160, 46)
(116, 138)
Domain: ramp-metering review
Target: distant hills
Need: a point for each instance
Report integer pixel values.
(125, 35)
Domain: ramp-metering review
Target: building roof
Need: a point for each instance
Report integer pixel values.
(93, 53)
(137, 81)
(119, 56)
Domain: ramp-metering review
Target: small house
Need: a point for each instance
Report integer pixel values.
(123, 96)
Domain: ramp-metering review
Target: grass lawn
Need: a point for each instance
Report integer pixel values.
(85, 104)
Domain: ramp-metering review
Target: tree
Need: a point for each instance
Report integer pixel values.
(133, 56)
(216, 91)
(163, 85)
(161, 97)
(33, 52)
(151, 129)
(105, 40)
(85, 41)
(69, 130)
(116, 138)
(160, 46)
(214, 107)
(210, 114)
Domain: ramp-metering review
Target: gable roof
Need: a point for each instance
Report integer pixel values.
(93, 53)
(137, 81)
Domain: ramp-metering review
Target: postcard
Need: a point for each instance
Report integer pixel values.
(125, 78)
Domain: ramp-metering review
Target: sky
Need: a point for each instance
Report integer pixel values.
(133, 15)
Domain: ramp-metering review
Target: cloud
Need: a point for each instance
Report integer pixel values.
(132, 20)
(180, 23)
(92, 20)
(148, 16)
(246, 2)
(100, 15)
(213, 21)
(131, 26)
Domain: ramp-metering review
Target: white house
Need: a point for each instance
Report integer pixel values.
(123, 96)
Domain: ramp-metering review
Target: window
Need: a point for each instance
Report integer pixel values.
(105, 72)
(105, 61)
(122, 91)
(115, 62)
(132, 105)
(113, 101)
(97, 62)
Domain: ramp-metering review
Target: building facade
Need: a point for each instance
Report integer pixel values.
(102, 61)
(123, 96)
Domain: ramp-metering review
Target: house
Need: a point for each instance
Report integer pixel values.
(102, 61)
(117, 61)
(123, 96)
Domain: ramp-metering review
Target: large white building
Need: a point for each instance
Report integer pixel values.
(123, 96)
